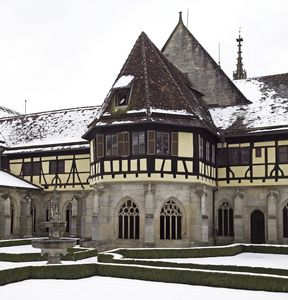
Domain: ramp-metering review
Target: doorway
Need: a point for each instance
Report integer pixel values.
(257, 225)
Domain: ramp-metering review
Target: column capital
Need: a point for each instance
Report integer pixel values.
(239, 194)
(149, 189)
(273, 193)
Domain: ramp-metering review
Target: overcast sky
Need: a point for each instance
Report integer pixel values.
(67, 53)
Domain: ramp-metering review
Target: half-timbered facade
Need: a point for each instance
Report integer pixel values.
(177, 155)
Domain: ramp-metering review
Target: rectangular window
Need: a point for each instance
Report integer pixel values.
(207, 151)
(111, 145)
(151, 142)
(213, 154)
(138, 142)
(162, 143)
(123, 143)
(174, 143)
(222, 157)
(239, 156)
(99, 148)
(31, 168)
(56, 166)
(122, 97)
(245, 156)
(283, 154)
(201, 148)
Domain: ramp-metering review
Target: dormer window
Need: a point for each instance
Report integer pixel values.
(122, 97)
(122, 90)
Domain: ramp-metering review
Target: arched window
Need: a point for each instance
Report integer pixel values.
(225, 220)
(170, 221)
(68, 217)
(129, 221)
(33, 215)
(285, 221)
(12, 214)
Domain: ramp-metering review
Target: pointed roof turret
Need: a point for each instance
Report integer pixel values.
(151, 89)
(187, 54)
(240, 73)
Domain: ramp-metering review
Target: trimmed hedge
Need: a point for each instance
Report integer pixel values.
(180, 253)
(8, 243)
(227, 280)
(108, 258)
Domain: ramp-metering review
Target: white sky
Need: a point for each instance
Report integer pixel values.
(67, 53)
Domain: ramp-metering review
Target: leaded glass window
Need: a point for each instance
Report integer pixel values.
(129, 221)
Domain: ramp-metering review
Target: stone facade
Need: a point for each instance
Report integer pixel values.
(194, 202)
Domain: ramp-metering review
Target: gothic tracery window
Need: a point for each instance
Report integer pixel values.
(129, 221)
(170, 221)
(225, 220)
(285, 221)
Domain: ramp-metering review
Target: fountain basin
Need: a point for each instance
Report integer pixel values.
(54, 248)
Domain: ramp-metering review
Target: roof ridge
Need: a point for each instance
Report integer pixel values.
(52, 111)
(145, 71)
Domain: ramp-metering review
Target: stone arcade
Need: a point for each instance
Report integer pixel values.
(176, 156)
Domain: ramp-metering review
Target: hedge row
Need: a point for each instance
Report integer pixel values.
(108, 258)
(213, 279)
(199, 252)
(73, 254)
(8, 243)
(180, 253)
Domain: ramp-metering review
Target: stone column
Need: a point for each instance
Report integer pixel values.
(272, 198)
(7, 216)
(149, 230)
(96, 227)
(238, 217)
(86, 216)
(74, 215)
(201, 192)
(25, 216)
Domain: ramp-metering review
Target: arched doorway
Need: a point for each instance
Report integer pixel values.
(257, 225)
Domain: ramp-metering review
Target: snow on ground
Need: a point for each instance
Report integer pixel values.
(277, 261)
(128, 289)
(19, 249)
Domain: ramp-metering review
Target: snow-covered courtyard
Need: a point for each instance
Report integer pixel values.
(115, 288)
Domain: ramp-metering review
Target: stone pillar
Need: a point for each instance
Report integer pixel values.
(96, 227)
(272, 198)
(149, 230)
(238, 217)
(201, 192)
(74, 215)
(86, 216)
(7, 216)
(25, 216)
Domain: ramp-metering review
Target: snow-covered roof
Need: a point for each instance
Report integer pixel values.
(57, 127)
(6, 112)
(269, 107)
(123, 81)
(9, 180)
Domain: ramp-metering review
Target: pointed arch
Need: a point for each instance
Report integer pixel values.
(128, 220)
(170, 221)
(225, 219)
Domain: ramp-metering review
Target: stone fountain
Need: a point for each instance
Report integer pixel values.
(54, 246)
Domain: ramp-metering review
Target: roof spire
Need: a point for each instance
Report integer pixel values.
(240, 73)
(180, 17)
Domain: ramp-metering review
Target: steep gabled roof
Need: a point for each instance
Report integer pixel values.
(157, 89)
(187, 54)
(267, 112)
(60, 127)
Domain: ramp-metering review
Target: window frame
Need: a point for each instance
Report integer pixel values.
(30, 167)
(138, 143)
(57, 166)
(162, 143)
